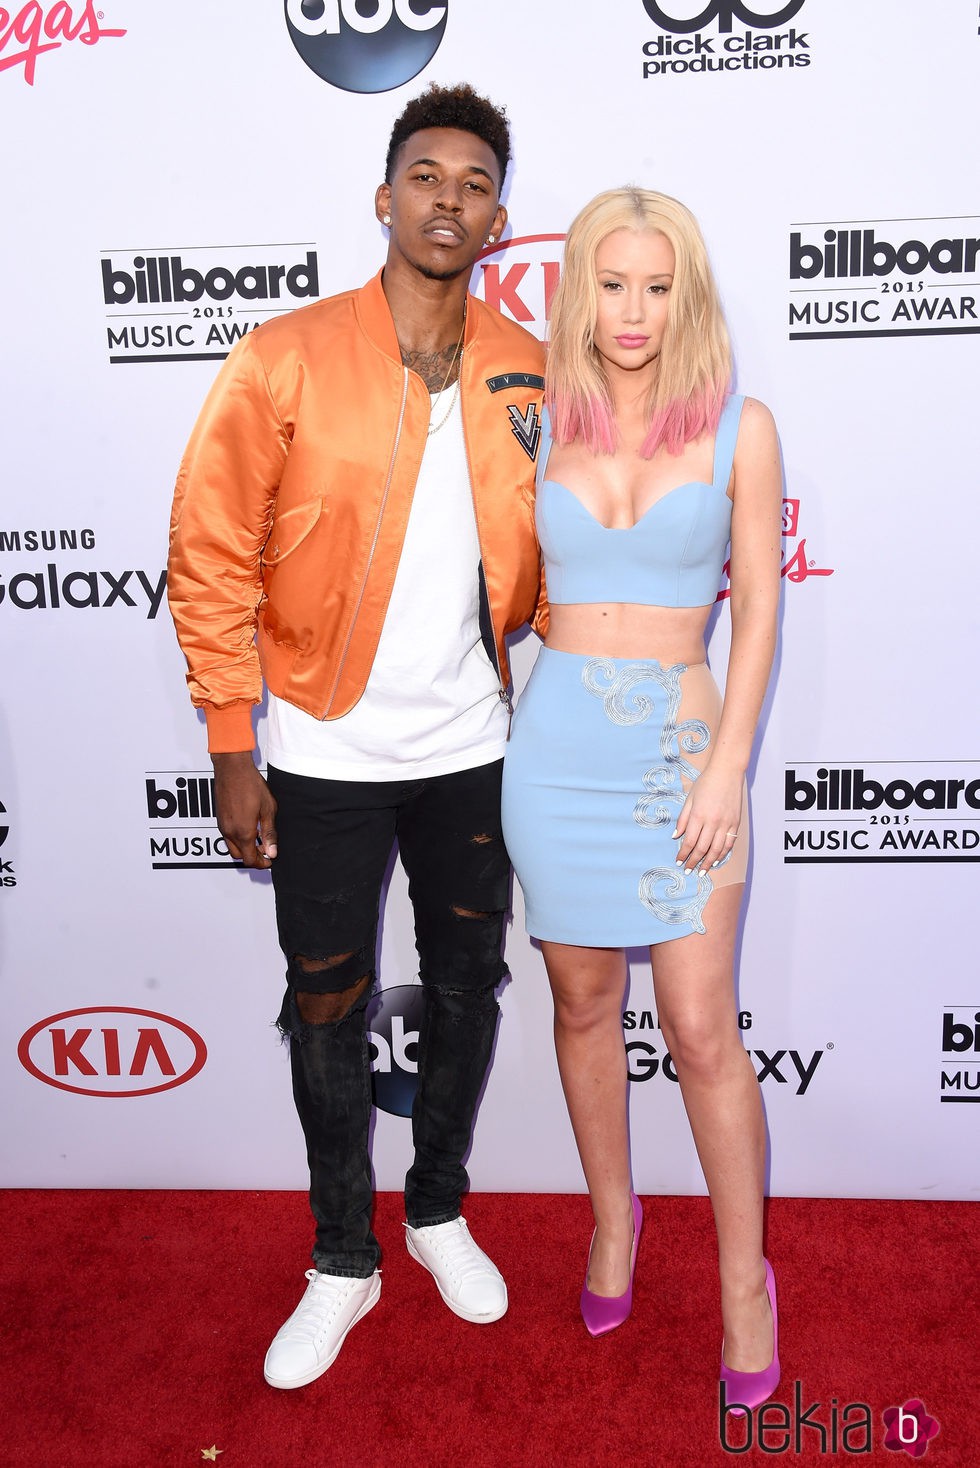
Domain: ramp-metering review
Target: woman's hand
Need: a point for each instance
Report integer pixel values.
(709, 822)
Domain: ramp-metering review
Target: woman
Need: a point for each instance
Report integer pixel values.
(624, 789)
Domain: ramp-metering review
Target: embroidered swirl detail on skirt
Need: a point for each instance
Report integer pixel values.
(673, 884)
(664, 781)
(623, 706)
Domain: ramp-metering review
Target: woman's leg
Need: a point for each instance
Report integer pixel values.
(695, 992)
(588, 986)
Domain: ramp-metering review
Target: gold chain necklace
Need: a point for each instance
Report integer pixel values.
(457, 353)
(434, 427)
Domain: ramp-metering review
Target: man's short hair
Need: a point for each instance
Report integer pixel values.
(458, 107)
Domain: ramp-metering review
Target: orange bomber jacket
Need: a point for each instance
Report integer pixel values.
(293, 498)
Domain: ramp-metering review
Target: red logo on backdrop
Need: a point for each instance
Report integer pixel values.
(37, 28)
(112, 1051)
(797, 564)
(519, 278)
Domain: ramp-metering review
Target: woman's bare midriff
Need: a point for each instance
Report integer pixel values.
(624, 630)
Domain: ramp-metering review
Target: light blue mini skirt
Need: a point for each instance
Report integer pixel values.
(602, 754)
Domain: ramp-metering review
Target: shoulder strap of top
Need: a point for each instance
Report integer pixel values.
(544, 448)
(725, 439)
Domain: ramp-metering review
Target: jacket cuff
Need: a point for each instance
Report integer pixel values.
(229, 727)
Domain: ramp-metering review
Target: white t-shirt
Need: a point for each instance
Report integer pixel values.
(432, 704)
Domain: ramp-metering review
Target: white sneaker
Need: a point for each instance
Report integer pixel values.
(311, 1338)
(470, 1283)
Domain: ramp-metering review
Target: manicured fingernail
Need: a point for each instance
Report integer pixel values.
(674, 834)
(688, 871)
(678, 863)
(716, 864)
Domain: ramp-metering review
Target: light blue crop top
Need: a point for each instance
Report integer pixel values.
(672, 557)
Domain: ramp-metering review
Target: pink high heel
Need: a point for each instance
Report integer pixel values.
(751, 1388)
(603, 1313)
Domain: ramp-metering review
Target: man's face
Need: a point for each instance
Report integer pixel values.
(443, 202)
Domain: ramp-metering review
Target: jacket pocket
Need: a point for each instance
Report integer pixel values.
(289, 530)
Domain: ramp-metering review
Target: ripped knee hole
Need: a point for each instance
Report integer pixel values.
(324, 1009)
(319, 965)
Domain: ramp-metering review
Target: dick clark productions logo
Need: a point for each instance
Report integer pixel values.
(7, 878)
(366, 45)
(724, 11)
(684, 46)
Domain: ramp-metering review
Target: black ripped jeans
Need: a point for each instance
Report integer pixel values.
(335, 839)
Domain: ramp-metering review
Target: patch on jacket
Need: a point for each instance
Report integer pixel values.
(515, 379)
(526, 428)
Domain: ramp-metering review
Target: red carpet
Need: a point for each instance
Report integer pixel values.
(135, 1325)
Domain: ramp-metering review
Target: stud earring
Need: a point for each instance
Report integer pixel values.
(491, 238)
(387, 219)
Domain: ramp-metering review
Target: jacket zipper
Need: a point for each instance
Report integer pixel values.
(374, 542)
(502, 692)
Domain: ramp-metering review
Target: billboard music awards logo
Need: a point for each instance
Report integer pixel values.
(878, 811)
(192, 304)
(36, 30)
(647, 1055)
(366, 45)
(394, 1020)
(58, 585)
(960, 1075)
(884, 277)
(181, 811)
(112, 1051)
(700, 40)
(7, 875)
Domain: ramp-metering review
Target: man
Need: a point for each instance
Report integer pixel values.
(358, 491)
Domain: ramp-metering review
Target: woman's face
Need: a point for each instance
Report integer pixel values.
(634, 274)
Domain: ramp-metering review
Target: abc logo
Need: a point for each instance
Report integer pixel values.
(366, 45)
(394, 1021)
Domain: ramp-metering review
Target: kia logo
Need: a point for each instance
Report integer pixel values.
(519, 277)
(724, 11)
(115, 1051)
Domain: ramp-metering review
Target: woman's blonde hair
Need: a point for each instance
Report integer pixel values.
(695, 359)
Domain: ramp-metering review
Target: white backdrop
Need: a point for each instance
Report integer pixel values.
(815, 150)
